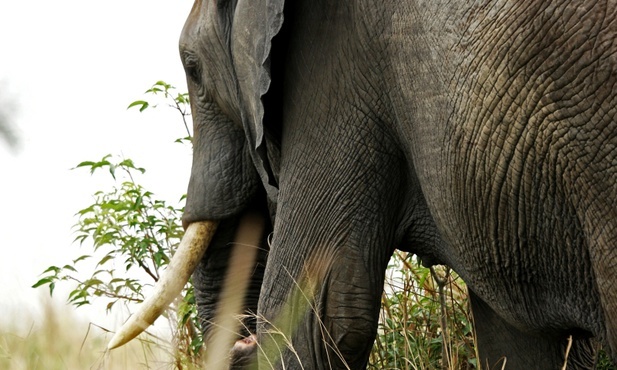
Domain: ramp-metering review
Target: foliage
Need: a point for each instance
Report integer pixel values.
(410, 335)
(604, 362)
(171, 98)
(132, 235)
(410, 329)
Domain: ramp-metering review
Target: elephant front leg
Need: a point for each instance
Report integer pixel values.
(501, 344)
(322, 317)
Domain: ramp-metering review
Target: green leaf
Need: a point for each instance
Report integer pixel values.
(142, 103)
(112, 170)
(55, 269)
(91, 282)
(99, 164)
(164, 84)
(85, 164)
(69, 267)
(182, 98)
(43, 281)
(182, 140)
(81, 303)
(76, 294)
(105, 259)
(81, 258)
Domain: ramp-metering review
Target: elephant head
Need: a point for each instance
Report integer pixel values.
(227, 70)
(225, 50)
(448, 129)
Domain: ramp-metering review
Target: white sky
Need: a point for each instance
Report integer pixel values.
(70, 68)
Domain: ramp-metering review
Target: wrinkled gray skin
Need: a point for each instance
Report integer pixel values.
(477, 134)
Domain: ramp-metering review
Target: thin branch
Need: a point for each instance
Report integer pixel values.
(441, 284)
(106, 293)
(568, 347)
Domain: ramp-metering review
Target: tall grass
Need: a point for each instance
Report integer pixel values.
(58, 340)
(427, 326)
(409, 335)
(415, 315)
(425, 322)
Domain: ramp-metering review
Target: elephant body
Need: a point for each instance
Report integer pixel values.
(480, 134)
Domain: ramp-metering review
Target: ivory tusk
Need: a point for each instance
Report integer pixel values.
(192, 248)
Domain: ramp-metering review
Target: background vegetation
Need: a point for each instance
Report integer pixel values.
(425, 321)
(59, 340)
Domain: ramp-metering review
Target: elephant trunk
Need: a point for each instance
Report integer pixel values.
(228, 321)
(192, 248)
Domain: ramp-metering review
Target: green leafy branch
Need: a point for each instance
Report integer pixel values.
(176, 100)
(132, 235)
(127, 225)
(131, 232)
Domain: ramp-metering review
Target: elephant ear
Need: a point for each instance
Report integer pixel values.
(255, 24)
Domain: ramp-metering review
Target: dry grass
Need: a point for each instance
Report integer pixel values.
(409, 335)
(58, 340)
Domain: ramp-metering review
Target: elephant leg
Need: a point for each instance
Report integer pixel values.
(603, 256)
(501, 344)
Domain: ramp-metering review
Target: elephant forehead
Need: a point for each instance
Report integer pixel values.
(195, 10)
(207, 22)
(191, 23)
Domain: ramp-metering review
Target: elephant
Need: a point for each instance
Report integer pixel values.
(477, 134)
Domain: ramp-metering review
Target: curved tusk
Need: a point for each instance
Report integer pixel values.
(192, 248)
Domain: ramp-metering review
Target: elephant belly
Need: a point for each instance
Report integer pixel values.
(516, 234)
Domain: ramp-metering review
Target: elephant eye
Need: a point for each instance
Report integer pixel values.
(194, 73)
(192, 68)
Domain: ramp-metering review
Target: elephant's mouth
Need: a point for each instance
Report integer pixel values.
(192, 248)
